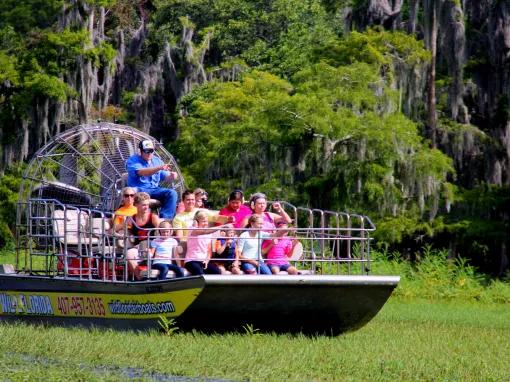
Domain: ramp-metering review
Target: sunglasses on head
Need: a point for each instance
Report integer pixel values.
(129, 195)
(148, 151)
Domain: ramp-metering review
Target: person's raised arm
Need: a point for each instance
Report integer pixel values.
(148, 171)
(205, 231)
(224, 219)
(281, 214)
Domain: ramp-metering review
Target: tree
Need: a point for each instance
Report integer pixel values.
(337, 130)
(277, 36)
(9, 185)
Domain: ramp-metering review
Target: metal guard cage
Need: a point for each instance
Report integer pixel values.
(72, 186)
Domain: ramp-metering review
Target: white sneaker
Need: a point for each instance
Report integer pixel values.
(154, 274)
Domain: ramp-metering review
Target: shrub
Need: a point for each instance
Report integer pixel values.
(435, 276)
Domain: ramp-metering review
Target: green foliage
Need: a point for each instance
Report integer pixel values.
(55, 53)
(393, 229)
(486, 200)
(329, 135)
(334, 6)
(435, 276)
(37, 60)
(336, 127)
(356, 150)
(305, 27)
(246, 108)
(478, 225)
(103, 54)
(102, 3)
(168, 326)
(122, 15)
(278, 36)
(27, 15)
(375, 46)
(47, 86)
(9, 74)
(250, 330)
(9, 186)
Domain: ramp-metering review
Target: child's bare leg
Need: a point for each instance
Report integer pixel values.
(222, 269)
(236, 270)
(292, 270)
(132, 260)
(275, 269)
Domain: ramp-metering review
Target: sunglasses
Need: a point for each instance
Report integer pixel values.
(148, 151)
(129, 195)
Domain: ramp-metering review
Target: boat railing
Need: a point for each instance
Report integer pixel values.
(55, 239)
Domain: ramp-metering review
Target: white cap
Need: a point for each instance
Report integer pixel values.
(146, 144)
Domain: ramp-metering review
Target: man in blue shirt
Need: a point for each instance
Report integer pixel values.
(145, 171)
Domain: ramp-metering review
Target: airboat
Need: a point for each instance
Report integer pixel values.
(71, 267)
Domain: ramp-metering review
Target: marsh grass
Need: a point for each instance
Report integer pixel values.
(407, 341)
(7, 256)
(436, 277)
(445, 322)
(168, 326)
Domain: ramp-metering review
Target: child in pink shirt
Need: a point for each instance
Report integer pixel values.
(199, 248)
(278, 251)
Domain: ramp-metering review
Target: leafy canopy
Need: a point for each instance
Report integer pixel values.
(335, 135)
(274, 35)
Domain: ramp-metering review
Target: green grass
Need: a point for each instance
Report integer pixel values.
(445, 322)
(418, 340)
(435, 277)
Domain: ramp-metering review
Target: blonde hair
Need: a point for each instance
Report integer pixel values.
(165, 225)
(123, 191)
(141, 197)
(253, 219)
(200, 191)
(200, 215)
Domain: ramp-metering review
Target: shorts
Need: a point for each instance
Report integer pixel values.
(248, 268)
(283, 267)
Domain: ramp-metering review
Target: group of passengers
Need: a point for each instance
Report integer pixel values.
(205, 241)
(190, 235)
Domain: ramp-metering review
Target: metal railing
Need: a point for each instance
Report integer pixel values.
(58, 240)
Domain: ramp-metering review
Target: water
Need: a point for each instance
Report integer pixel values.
(127, 373)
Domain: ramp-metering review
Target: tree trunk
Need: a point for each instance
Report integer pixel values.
(378, 12)
(413, 16)
(453, 50)
(430, 8)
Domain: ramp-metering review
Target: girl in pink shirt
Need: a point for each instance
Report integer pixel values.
(278, 251)
(199, 247)
(236, 208)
